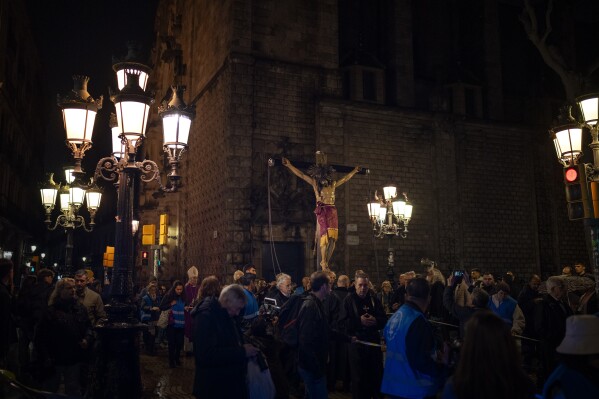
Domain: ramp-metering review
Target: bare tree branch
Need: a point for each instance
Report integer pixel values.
(571, 80)
(592, 68)
(548, 26)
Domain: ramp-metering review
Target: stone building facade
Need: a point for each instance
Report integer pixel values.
(433, 107)
(21, 135)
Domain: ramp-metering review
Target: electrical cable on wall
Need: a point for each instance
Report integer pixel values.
(273, 252)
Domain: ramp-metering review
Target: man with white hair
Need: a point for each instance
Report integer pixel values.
(283, 289)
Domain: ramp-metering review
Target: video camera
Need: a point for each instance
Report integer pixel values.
(269, 309)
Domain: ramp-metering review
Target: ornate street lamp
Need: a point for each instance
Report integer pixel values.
(176, 123)
(132, 103)
(390, 217)
(79, 111)
(582, 202)
(567, 140)
(71, 200)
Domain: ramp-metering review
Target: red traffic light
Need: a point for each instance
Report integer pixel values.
(144, 254)
(571, 174)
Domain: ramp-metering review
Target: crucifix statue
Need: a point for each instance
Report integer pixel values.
(320, 177)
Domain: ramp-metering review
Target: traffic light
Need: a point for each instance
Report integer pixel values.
(576, 192)
(108, 259)
(144, 258)
(163, 237)
(148, 234)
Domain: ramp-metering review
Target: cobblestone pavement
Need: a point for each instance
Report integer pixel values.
(160, 381)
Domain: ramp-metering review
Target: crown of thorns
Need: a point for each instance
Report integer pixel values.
(321, 172)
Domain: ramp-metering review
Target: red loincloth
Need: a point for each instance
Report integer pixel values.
(326, 216)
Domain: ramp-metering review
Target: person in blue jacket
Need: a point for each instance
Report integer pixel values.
(174, 301)
(411, 366)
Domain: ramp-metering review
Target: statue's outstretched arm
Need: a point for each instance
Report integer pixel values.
(297, 172)
(348, 176)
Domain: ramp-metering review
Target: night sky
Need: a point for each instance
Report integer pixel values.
(81, 37)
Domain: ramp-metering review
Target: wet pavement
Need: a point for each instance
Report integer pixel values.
(160, 381)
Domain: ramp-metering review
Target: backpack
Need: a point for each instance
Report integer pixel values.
(287, 325)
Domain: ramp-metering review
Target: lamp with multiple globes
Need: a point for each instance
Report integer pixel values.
(390, 217)
(71, 199)
(118, 334)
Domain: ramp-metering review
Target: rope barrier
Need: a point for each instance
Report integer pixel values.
(454, 326)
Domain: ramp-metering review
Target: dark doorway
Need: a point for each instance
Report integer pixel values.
(291, 260)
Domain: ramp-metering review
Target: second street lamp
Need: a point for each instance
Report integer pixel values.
(71, 199)
(390, 217)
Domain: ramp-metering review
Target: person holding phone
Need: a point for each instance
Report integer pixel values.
(468, 304)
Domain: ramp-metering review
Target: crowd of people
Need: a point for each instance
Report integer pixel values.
(465, 335)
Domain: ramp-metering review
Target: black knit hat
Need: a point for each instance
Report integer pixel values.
(45, 273)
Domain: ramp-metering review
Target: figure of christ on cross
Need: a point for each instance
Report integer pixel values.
(320, 178)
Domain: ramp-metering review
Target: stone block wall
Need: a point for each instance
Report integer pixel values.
(304, 32)
(266, 80)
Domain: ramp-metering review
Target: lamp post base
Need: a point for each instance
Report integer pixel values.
(117, 373)
(390, 262)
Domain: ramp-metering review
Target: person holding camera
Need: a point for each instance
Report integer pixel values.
(460, 303)
(283, 291)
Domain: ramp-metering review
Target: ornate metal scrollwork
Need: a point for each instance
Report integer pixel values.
(69, 220)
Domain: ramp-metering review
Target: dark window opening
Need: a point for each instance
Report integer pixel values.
(368, 86)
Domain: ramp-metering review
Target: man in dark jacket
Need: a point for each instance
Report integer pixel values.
(529, 296)
(220, 354)
(364, 317)
(550, 316)
(62, 337)
(282, 290)
(526, 301)
(313, 333)
(340, 363)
